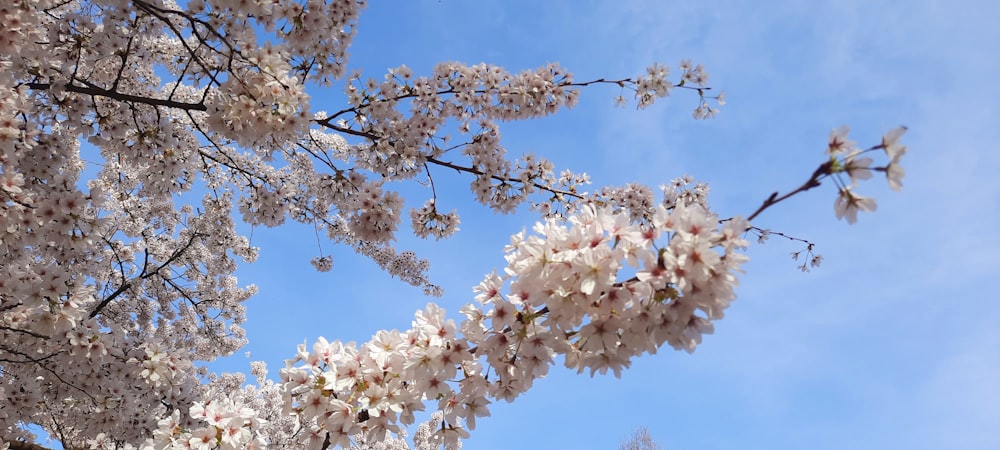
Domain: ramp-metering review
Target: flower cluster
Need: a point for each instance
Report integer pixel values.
(846, 158)
(597, 288)
(428, 221)
(221, 424)
(684, 191)
(259, 110)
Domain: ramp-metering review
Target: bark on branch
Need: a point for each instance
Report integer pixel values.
(96, 91)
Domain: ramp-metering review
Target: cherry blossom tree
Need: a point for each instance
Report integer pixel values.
(116, 281)
(639, 440)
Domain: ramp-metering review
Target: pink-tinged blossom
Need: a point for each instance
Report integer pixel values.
(234, 434)
(859, 168)
(890, 143)
(203, 438)
(894, 175)
(839, 143)
(848, 204)
(11, 182)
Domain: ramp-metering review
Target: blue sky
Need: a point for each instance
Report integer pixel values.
(892, 343)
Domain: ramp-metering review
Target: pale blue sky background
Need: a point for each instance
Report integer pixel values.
(892, 343)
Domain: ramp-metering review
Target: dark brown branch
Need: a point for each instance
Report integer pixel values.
(326, 442)
(96, 91)
(27, 332)
(155, 12)
(126, 285)
(19, 445)
(475, 171)
(409, 94)
(41, 363)
(820, 172)
(375, 138)
(124, 57)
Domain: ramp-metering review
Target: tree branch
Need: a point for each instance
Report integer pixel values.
(20, 445)
(96, 91)
(820, 172)
(127, 284)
